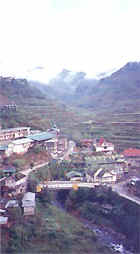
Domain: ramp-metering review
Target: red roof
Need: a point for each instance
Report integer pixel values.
(101, 141)
(131, 152)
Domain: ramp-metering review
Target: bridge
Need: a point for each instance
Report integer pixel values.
(62, 185)
(57, 185)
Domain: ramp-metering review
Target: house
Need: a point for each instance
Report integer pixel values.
(131, 153)
(103, 146)
(10, 182)
(11, 203)
(42, 137)
(89, 177)
(28, 202)
(2, 211)
(62, 144)
(87, 143)
(20, 185)
(29, 211)
(74, 176)
(105, 176)
(19, 146)
(13, 133)
(51, 145)
(132, 156)
(28, 199)
(3, 220)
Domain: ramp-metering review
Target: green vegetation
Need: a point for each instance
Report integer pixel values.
(104, 207)
(50, 231)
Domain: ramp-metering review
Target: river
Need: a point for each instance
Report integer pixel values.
(109, 237)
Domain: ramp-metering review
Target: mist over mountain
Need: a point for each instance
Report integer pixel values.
(118, 92)
(67, 85)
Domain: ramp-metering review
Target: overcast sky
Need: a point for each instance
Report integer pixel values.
(80, 35)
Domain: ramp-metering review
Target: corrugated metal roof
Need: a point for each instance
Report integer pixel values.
(22, 141)
(42, 136)
(3, 148)
(73, 173)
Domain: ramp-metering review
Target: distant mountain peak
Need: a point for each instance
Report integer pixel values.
(131, 66)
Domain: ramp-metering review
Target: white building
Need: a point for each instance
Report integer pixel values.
(28, 199)
(19, 146)
(104, 146)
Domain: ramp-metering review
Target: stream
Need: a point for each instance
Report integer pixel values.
(110, 238)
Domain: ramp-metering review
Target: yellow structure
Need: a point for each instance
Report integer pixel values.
(38, 188)
(75, 186)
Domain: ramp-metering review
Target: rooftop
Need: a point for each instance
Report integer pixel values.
(9, 170)
(13, 129)
(42, 136)
(73, 174)
(132, 152)
(29, 196)
(22, 141)
(3, 148)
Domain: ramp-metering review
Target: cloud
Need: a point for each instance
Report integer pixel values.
(91, 36)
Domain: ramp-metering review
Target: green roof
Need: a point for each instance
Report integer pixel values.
(42, 136)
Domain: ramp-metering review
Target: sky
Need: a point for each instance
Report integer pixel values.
(39, 38)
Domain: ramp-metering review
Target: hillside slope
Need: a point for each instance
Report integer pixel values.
(120, 91)
(19, 91)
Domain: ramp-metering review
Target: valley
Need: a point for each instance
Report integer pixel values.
(89, 130)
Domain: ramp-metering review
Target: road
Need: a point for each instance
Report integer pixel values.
(27, 171)
(68, 184)
(119, 188)
(69, 151)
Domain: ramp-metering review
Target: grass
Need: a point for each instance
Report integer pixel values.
(63, 234)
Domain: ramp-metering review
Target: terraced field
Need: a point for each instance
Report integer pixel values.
(122, 129)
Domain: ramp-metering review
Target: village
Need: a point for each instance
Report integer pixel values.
(99, 164)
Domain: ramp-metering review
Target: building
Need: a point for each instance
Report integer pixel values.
(132, 156)
(104, 146)
(28, 202)
(10, 182)
(11, 203)
(62, 144)
(131, 153)
(74, 176)
(50, 141)
(28, 199)
(42, 137)
(3, 220)
(13, 133)
(87, 143)
(19, 146)
(51, 145)
(105, 176)
(47, 139)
